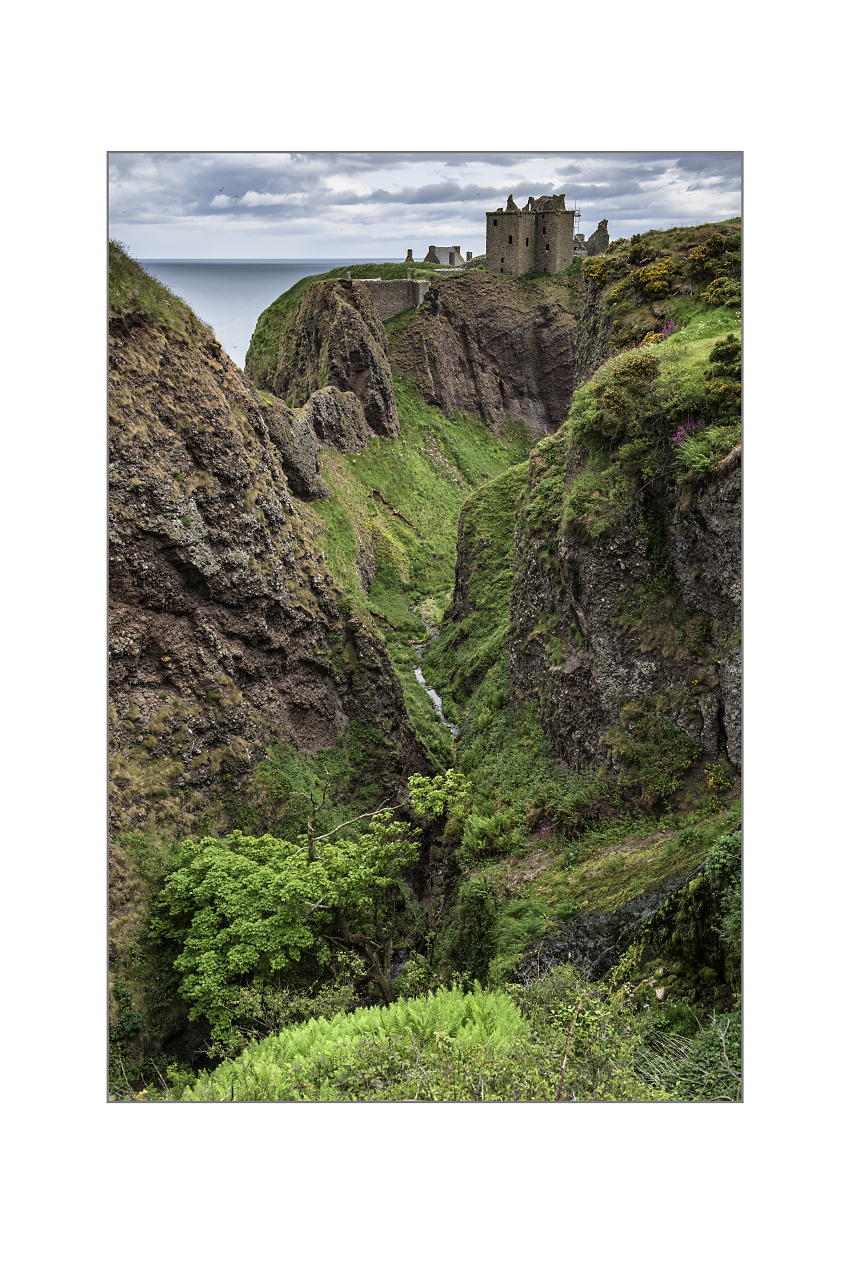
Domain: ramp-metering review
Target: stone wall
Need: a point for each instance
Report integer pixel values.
(391, 296)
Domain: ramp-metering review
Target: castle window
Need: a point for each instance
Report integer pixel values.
(510, 238)
(503, 259)
(526, 243)
(495, 223)
(547, 247)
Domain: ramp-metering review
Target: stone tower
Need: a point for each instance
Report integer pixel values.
(537, 237)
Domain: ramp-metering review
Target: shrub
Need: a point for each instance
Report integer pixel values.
(700, 453)
(723, 870)
(594, 268)
(727, 356)
(469, 942)
(614, 405)
(655, 281)
(656, 754)
(706, 1068)
(711, 1069)
(723, 291)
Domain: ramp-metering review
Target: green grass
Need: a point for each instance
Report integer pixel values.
(459, 658)
(423, 478)
(136, 296)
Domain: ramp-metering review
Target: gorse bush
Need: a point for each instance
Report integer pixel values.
(594, 268)
(614, 405)
(654, 281)
(723, 291)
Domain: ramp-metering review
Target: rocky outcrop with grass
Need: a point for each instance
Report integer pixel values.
(332, 337)
(626, 602)
(496, 347)
(593, 654)
(227, 631)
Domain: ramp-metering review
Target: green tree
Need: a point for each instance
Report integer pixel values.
(242, 908)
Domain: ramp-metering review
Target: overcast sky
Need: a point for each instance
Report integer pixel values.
(362, 204)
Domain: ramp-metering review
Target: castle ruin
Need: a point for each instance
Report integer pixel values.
(444, 256)
(538, 237)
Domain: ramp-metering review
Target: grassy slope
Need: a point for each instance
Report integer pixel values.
(422, 479)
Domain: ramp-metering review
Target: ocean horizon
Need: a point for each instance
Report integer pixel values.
(230, 293)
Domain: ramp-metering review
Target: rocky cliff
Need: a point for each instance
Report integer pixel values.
(496, 347)
(226, 628)
(586, 651)
(332, 337)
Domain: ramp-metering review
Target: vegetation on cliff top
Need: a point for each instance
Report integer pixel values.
(264, 350)
(135, 296)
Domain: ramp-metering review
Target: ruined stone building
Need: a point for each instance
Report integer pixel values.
(444, 256)
(536, 237)
(595, 245)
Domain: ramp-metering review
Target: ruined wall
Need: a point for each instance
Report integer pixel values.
(447, 256)
(598, 241)
(392, 296)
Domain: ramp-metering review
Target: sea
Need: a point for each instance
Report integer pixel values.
(230, 294)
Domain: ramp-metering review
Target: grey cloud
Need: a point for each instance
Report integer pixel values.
(452, 192)
(622, 172)
(646, 187)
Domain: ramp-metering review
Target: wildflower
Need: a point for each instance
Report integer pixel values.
(684, 431)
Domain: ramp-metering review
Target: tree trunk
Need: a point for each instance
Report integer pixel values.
(380, 968)
(379, 971)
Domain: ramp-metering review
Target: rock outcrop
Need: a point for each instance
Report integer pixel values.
(581, 649)
(494, 346)
(338, 341)
(226, 629)
(594, 329)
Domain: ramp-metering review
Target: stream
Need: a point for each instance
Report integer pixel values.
(435, 698)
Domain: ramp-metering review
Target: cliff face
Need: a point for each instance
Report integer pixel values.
(226, 629)
(601, 652)
(336, 340)
(593, 333)
(497, 347)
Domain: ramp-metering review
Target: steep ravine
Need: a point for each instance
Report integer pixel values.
(231, 633)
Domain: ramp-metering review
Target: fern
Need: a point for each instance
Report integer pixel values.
(275, 1069)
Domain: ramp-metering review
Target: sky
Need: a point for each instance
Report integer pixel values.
(380, 203)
